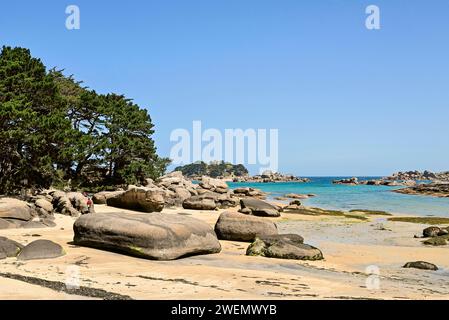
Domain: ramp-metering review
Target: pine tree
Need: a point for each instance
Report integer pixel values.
(54, 130)
(32, 121)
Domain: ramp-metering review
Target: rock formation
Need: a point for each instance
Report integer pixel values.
(284, 246)
(240, 227)
(153, 236)
(258, 207)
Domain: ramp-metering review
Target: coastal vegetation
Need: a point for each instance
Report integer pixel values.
(56, 132)
(214, 169)
(422, 220)
(324, 212)
(371, 212)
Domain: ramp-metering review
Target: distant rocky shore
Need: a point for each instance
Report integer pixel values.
(376, 182)
(419, 176)
(269, 176)
(431, 189)
(401, 178)
(417, 183)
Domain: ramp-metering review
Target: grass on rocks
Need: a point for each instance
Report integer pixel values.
(437, 241)
(421, 220)
(323, 212)
(371, 212)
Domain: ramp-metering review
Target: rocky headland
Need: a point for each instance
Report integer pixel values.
(401, 178)
(268, 176)
(419, 176)
(375, 182)
(431, 189)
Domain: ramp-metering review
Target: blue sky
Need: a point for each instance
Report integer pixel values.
(346, 100)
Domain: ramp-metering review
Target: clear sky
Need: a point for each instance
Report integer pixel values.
(346, 100)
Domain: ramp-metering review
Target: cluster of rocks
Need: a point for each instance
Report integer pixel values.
(264, 238)
(293, 206)
(431, 189)
(349, 181)
(39, 249)
(174, 190)
(419, 176)
(211, 194)
(436, 236)
(38, 210)
(389, 183)
(169, 236)
(171, 190)
(295, 196)
(249, 192)
(284, 246)
(407, 179)
(269, 176)
(375, 182)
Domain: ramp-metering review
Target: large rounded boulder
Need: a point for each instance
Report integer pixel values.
(236, 226)
(152, 236)
(41, 249)
(139, 198)
(11, 208)
(9, 248)
(199, 203)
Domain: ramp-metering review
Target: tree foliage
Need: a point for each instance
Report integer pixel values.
(55, 131)
(214, 169)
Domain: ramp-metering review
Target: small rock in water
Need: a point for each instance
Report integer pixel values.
(295, 202)
(421, 265)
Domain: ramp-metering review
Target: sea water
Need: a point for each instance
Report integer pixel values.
(347, 197)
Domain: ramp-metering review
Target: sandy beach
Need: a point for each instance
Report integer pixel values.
(353, 250)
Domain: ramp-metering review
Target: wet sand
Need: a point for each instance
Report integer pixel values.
(352, 248)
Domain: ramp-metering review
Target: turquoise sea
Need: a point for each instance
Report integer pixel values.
(344, 197)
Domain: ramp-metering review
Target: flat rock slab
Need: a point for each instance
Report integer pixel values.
(284, 246)
(421, 265)
(15, 209)
(9, 248)
(240, 227)
(152, 236)
(41, 249)
(259, 207)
